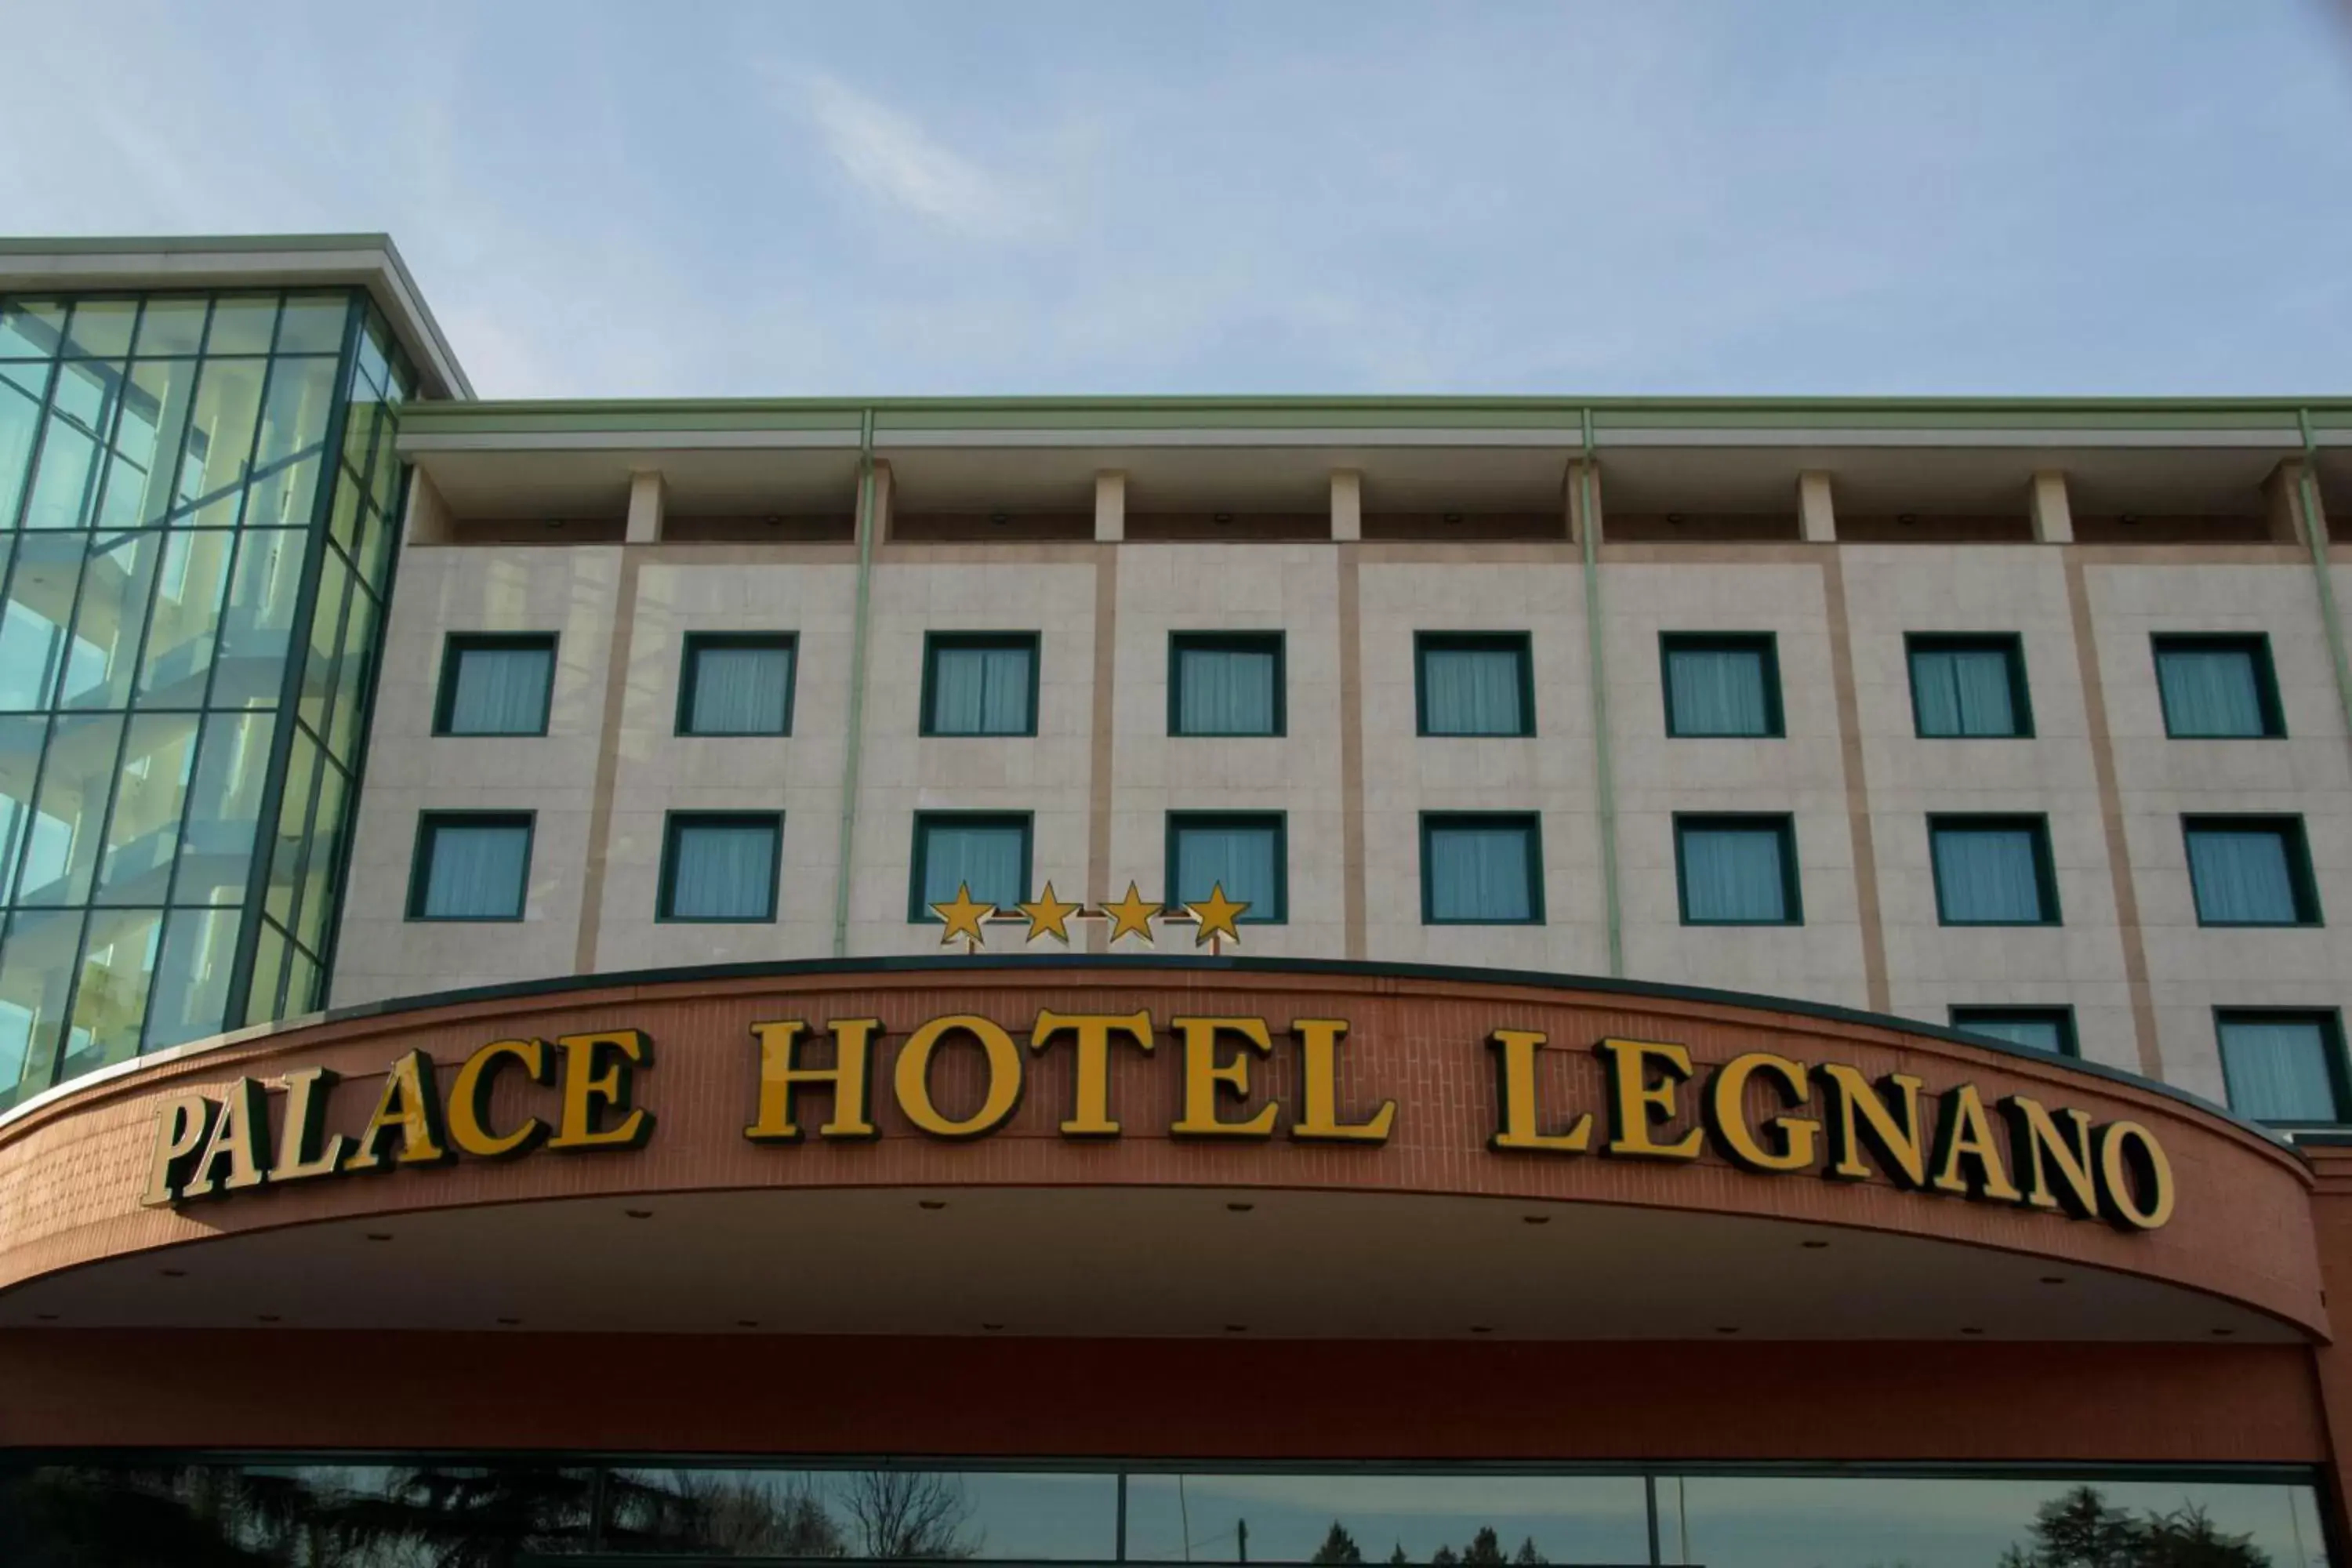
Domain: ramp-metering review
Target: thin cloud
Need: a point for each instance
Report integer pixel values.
(895, 160)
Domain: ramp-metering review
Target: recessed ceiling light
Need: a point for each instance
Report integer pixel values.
(265, 1317)
(1972, 1331)
(998, 518)
(992, 1327)
(931, 1203)
(1237, 1327)
(1812, 1245)
(2128, 519)
(2224, 1333)
(379, 1236)
(747, 1322)
(511, 1323)
(556, 522)
(638, 1213)
(1222, 516)
(1454, 517)
(2054, 1280)
(1482, 1327)
(44, 1317)
(1906, 518)
(172, 1273)
(1674, 518)
(1239, 1209)
(1534, 1220)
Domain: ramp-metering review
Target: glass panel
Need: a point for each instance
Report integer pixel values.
(2210, 692)
(224, 809)
(1244, 858)
(110, 1006)
(474, 870)
(2278, 1069)
(384, 468)
(20, 758)
(1734, 875)
(1963, 691)
(293, 815)
(379, 534)
(257, 626)
(81, 416)
(159, 757)
(242, 324)
(101, 328)
(31, 329)
(723, 871)
(313, 323)
(177, 662)
(741, 691)
(344, 516)
(1988, 876)
(148, 440)
(321, 871)
(114, 591)
(37, 968)
(77, 777)
(499, 691)
(374, 357)
(1324, 1517)
(192, 976)
(317, 687)
(34, 652)
(269, 975)
(894, 1514)
(173, 326)
(217, 443)
(1480, 873)
(2041, 1032)
(1224, 691)
(2243, 876)
(360, 425)
(1717, 692)
(301, 984)
(20, 426)
(287, 463)
(980, 691)
(1471, 691)
(352, 676)
(983, 857)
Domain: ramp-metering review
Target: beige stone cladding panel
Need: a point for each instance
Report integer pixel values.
(1290, 588)
(1801, 775)
(659, 771)
(904, 772)
(1550, 773)
(444, 589)
(2194, 969)
(1895, 590)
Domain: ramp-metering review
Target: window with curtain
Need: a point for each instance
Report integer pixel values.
(1475, 683)
(1225, 684)
(1243, 855)
(1991, 870)
(1737, 871)
(2283, 1066)
(986, 854)
(736, 685)
(1719, 685)
(2037, 1029)
(1969, 688)
(2217, 688)
(470, 866)
(2247, 871)
(721, 867)
(1480, 870)
(981, 685)
(496, 686)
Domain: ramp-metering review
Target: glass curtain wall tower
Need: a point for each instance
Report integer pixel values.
(199, 507)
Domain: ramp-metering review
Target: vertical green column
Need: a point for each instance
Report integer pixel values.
(1605, 772)
(856, 739)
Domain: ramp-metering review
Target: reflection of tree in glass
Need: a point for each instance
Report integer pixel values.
(910, 1513)
(713, 1510)
(2081, 1530)
(1340, 1547)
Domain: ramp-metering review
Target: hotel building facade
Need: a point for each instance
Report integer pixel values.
(1731, 982)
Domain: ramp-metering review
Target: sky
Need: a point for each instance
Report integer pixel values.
(700, 199)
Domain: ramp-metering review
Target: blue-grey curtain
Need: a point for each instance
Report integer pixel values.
(500, 692)
(2040, 1034)
(1224, 691)
(985, 859)
(1480, 874)
(1989, 875)
(741, 691)
(2210, 692)
(980, 692)
(1241, 859)
(1471, 691)
(1717, 692)
(1963, 691)
(476, 873)
(723, 872)
(2277, 1071)
(2241, 877)
(1733, 874)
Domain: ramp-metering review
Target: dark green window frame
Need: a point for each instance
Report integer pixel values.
(2255, 645)
(2046, 872)
(1784, 827)
(2288, 826)
(917, 911)
(454, 649)
(675, 826)
(1269, 643)
(430, 823)
(1521, 645)
(1530, 826)
(2330, 1023)
(2059, 1018)
(1278, 821)
(1765, 645)
(2009, 644)
(934, 643)
(690, 669)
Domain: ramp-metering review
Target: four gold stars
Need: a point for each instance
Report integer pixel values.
(1047, 916)
(1216, 915)
(964, 917)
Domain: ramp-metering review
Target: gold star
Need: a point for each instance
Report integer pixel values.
(963, 916)
(1046, 917)
(1131, 916)
(1217, 915)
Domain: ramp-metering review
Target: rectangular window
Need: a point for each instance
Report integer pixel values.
(1224, 683)
(720, 867)
(1992, 870)
(985, 853)
(2251, 871)
(1481, 868)
(979, 684)
(1968, 687)
(470, 866)
(1474, 683)
(2281, 1066)
(736, 683)
(2216, 687)
(1737, 871)
(495, 684)
(1721, 683)
(2036, 1028)
(1247, 856)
